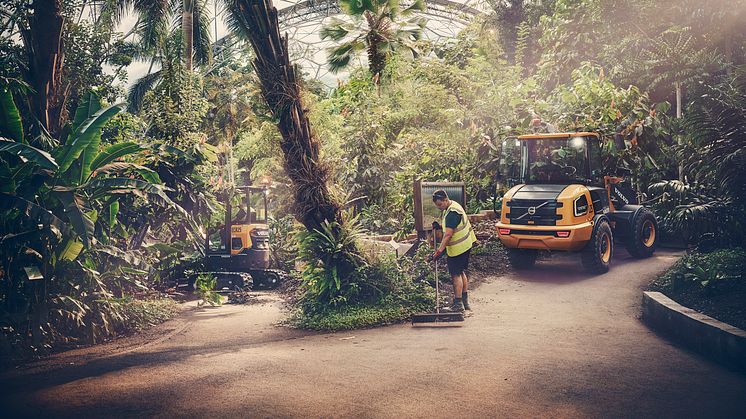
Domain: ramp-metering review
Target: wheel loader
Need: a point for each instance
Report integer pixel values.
(242, 256)
(564, 202)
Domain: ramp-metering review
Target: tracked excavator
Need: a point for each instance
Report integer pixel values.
(237, 253)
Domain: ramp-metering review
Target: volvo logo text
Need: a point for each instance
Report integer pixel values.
(531, 210)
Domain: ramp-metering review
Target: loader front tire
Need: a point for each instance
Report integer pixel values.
(596, 255)
(522, 258)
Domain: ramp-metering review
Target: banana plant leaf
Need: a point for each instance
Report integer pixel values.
(70, 250)
(32, 154)
(86, 133)
(88, 107)
(113, 152)
(34, 212)
(112, 214)
(10, 119)
(81, 222)
(130, 257)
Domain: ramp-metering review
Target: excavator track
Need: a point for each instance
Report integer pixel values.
(266, 278)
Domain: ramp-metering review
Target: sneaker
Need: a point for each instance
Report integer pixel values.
(466, 305)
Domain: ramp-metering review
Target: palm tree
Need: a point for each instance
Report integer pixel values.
(42, 40)
(673, 58)
(190, 18)
(375, 27)
(256, 21)
(160, 24)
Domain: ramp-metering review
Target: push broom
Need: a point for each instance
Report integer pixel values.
(437, 316)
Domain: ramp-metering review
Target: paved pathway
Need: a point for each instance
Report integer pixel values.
(552, 342)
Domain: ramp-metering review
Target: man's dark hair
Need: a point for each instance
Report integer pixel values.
(440, 195)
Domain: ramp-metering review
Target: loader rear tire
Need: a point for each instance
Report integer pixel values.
(522, 258)
(596, 255)
(643, 238)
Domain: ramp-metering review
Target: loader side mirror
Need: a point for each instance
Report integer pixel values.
(497, 197)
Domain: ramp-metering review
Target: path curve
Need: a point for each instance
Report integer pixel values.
(551, 342)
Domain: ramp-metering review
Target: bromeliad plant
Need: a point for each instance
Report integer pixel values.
(331, 274)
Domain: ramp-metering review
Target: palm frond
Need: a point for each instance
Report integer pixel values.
(138, 90)
(153, 24)
(340, 56)
(417, 6)
(202, 41)
(336, 30)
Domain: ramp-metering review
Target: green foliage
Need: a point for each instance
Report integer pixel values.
(353, 317)
(332, 273)
(176, 108)
(388, 29)
(712, 283)
(10, 124)
(717, 272)
(283, 245)
(708, 207)
(62, 220)
(204, 287)
(406, 289)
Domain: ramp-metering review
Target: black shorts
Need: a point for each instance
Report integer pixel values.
(458, 264)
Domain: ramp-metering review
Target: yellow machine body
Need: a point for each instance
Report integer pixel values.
(564, 202)
(539, 237)
(241, 237)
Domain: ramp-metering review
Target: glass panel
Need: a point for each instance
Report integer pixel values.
(555, 160)
(596, 161)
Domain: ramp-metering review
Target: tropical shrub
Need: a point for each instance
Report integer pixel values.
(61, 225)
(708, 207)
(203, 287)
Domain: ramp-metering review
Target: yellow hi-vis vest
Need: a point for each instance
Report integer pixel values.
(463, 235)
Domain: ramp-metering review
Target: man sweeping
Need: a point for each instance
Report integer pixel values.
(458, 239)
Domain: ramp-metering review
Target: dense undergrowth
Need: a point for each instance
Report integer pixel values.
(107, 200)
(119, 317)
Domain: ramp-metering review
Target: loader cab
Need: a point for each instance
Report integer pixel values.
(560, 159)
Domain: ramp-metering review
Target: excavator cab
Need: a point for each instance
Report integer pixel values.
(250, 230)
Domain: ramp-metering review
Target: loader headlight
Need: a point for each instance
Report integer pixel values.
(580, 207)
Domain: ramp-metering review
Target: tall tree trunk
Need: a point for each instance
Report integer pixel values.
(678, 116)
(43, 43)
(376, 58)
(187, 32)
(257, 21)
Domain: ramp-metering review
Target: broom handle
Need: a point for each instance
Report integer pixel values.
(437, 285)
